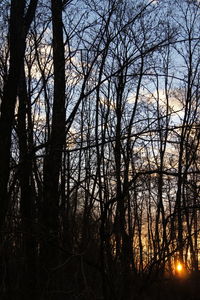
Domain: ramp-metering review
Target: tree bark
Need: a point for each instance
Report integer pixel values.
(19, 26)
(56, 143)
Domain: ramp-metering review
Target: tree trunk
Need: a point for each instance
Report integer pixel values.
(53, 159)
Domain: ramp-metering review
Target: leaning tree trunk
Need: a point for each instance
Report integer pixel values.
(19, 26)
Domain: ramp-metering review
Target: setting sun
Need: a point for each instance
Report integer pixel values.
(179, 267)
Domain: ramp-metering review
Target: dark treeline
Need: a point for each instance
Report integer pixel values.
(99, 147)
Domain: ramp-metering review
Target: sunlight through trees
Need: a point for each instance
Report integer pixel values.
(99, 149)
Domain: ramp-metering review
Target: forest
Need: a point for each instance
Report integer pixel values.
(100, 149)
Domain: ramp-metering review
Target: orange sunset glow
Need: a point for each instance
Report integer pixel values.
(179, 267)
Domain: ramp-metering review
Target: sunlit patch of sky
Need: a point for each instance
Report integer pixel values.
(175, 106)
